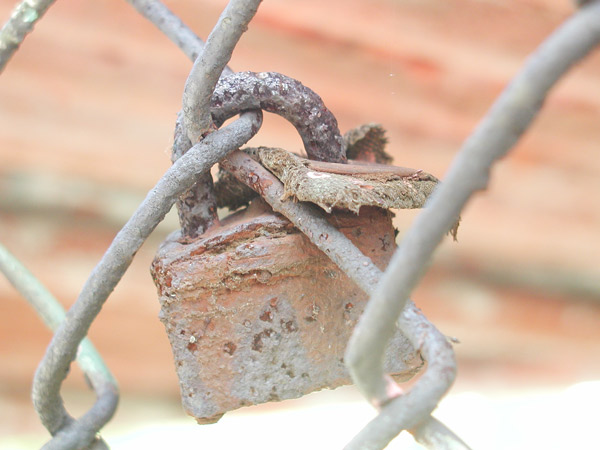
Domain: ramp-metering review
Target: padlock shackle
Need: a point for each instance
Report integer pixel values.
(287, 97)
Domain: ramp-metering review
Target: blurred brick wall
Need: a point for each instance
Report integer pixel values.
(87, 109)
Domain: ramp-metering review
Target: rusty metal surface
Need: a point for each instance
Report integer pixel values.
(279, 94)
(255, 312)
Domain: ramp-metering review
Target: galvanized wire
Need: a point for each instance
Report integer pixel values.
(506, 121)
(170, 25)
(197, 207)
(412, 409)
(22, 20)
(52, 314)
(209, 66)
(53, 368)
(105, 276)
(389, 306)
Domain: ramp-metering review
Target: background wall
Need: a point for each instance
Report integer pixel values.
(87, 111)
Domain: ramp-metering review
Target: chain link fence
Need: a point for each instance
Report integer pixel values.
(213, 92)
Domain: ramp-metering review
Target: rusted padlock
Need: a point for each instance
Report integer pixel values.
(255, 312)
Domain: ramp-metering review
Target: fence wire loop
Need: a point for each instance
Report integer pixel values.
(52, 313)
(198, 147)
(197, 207)
(506, 121)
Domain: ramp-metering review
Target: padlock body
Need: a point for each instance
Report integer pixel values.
(255, 312)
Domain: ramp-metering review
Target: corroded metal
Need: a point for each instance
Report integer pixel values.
(348, 186)
(197, 207)
(282, 95)
(256, 313)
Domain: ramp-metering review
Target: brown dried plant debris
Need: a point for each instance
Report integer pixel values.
(362, 185)
(364, 143)
(330, 185)
(367, 143)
